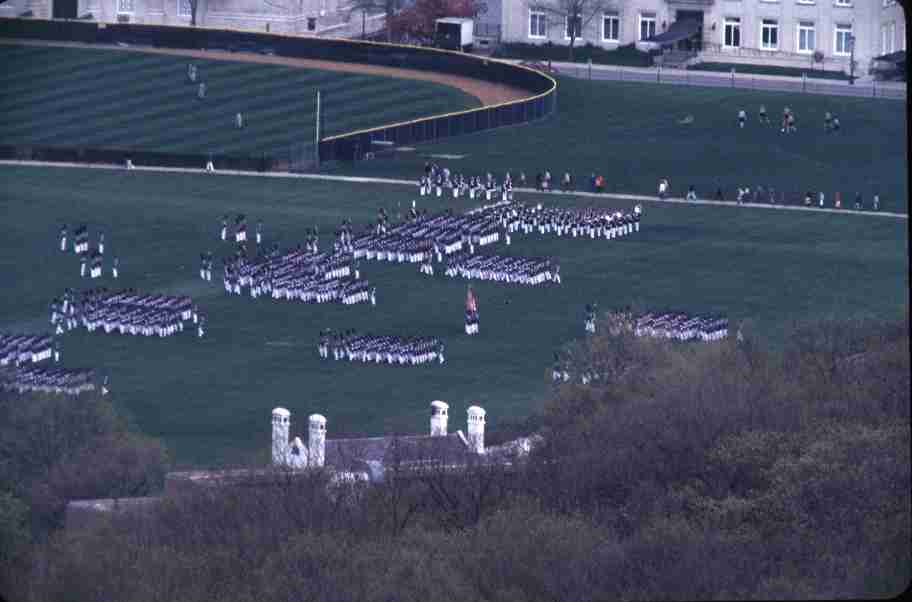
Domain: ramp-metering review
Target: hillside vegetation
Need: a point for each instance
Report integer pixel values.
(697, 472)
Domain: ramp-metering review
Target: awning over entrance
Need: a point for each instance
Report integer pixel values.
(893, 57)
(679, 30)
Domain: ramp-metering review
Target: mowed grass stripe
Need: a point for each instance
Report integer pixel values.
(173, 133)
(369, 108)
(129, 94)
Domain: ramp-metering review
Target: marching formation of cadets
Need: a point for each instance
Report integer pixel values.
(20, 355)
(37, 379)
(531, 271)
(126, 312)
(18, 349)
(351, 346)
(681, 327)
(299, 274)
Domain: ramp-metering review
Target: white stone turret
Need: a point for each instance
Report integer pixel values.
(316, 439)
(476, 429)
(439, 417)
(280, 419)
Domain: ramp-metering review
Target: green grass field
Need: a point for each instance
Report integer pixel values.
(210, 399)
(629, 132)
(101, 98)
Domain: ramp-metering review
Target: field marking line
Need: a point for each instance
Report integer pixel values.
(395, 181)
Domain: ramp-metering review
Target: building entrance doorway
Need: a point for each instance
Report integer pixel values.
(65, 9)
(695, 42)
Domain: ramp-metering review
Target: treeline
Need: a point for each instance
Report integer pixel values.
(688, 472)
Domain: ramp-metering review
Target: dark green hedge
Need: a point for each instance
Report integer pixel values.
(624, 55)
(769, 70)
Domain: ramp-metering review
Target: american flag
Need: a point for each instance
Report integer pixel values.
(471, 301)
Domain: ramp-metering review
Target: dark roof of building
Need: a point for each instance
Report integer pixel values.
(898, 57)
(352, 454)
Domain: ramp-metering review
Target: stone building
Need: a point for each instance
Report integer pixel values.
(364, 460)
(769, 32)
(305, 17)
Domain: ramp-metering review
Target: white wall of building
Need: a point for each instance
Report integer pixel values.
(869, 21)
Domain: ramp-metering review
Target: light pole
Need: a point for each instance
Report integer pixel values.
(851, 41)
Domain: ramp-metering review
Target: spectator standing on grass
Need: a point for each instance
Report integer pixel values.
(875, 202)
(522, 179)
(201, 91)
(600, 183)
(837, 202)
(772, 195)
(239, 120)
(835, 124)
(567, 182)
(809, 198)
(663, 187)
(763, 116)
(742, 117)
(539, 181)
(827, 121)
(858, 201)
(820, 198)
(691, 193)
(719, 195)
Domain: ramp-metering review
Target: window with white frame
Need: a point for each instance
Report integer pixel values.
(843, 2)
(769, 34)
(806, 1)
(842, 44)
(647, 25)
(124, 6)
(892, 36)
(807, 35)
(183, 8)
(731, 33)
(573, 27)
(537, 25)
(611, 28)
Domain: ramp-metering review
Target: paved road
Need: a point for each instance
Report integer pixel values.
(366, 180)
(866, 88)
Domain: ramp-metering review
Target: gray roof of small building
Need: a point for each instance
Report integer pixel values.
(351, 454)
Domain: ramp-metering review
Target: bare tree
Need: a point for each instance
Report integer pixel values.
(571, 15)
(367, 7)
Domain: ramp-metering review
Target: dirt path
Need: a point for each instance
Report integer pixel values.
(486, 92)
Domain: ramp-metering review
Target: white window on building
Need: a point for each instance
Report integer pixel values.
(806, 1)
(647, 25)
(807, 41)
(843, 2)
(887, 38)
(611, 28)
(573, 27)
(843, 39)
(537, 25)
(769, 34)
(731, 33)
(125, 6)
(183, 8)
